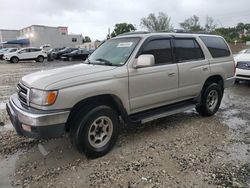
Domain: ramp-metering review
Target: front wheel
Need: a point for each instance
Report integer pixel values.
(210, 100)
(40, 59)
(14, 60)
(95, 133)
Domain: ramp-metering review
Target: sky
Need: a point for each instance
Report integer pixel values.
(94, 17)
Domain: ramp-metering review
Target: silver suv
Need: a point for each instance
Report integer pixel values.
(133, 78)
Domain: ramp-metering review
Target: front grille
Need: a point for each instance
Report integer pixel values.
(240, 75)
(23, 94)
(243, 65)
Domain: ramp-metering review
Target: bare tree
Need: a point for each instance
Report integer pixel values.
(192, 24)
(210, 24)
(158, 23)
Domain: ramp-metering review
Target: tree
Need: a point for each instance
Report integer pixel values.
(240, 28)
(192, 24)
(210, 25)
(156, 24)
(86, 39)
(122, 28)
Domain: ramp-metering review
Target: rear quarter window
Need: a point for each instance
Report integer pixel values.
(216, 46)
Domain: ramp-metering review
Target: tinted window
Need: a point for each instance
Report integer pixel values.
(34, 49)
(216, 46)
(161, 49)
(187, 50)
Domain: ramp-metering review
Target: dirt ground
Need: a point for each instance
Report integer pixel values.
(184, 150)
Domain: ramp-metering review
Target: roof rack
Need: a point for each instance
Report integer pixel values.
(134, 33)
(191, 32)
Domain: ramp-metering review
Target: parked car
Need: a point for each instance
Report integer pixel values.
(7, 50)
(131, 79)
(80, 54)
(25, 54)
(57, 55)
(51, 53)
(242, 64)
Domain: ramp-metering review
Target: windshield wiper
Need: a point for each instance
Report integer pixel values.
(105, 61)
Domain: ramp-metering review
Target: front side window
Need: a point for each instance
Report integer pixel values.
(187, 50)
(114, 51)
(161, 49)
(216, 46)
(24, 51)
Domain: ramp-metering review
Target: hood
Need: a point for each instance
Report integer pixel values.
(10, 53)
(242, 57)
(61, 77)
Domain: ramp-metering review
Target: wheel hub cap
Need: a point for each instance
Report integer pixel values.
(212, 99)
(100, 132)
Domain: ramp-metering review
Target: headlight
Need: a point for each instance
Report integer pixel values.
(43, 98)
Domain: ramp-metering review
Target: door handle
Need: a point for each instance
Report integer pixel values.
(171, 74)
(205, 68)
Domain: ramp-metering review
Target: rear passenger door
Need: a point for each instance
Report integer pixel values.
(193, 67)
(157, 85)
(34, 53)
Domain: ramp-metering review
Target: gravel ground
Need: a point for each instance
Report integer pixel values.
(184, 150)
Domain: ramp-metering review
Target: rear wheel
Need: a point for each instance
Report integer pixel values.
(14, 59)
(95, 130)
(210, 100)
(40, 59)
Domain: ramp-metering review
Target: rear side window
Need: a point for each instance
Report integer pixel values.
(216, 46)
(161, 49)
(187, 50)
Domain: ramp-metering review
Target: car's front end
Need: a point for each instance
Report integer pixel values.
(7, 56)
(242, 70)
(242, 65)
(32, 122)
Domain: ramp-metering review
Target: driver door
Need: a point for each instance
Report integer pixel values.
(154, 86)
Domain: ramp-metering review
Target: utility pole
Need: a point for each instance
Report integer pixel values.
(1, 39)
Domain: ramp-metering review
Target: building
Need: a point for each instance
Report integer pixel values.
(38, 35)
(90, 45)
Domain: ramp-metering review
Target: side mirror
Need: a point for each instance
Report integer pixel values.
(146, 60)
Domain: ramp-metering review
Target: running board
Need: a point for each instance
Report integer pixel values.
(162, 112)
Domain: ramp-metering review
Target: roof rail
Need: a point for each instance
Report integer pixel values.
(191, 32)
(134, 33)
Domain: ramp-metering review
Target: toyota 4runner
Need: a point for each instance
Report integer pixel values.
(133, 78)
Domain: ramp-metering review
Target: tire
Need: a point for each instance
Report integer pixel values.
(210, 100)
(40, 59)
(88, 132)
(14, 60)
(237, 81)
(70, 58)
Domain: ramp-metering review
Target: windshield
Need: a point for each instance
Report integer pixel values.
(114, 51)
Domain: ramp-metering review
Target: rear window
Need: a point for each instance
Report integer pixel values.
(187, 50)
(216, 46)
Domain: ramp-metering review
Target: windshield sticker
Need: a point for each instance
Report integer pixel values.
(124, 44)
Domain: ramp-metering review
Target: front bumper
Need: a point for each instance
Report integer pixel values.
(242, 74)
(43, 124)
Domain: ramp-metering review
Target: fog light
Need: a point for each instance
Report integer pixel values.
(26, 128)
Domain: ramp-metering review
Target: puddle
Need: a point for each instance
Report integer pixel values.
(7, 169)
(2, 105)
(6, 127)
